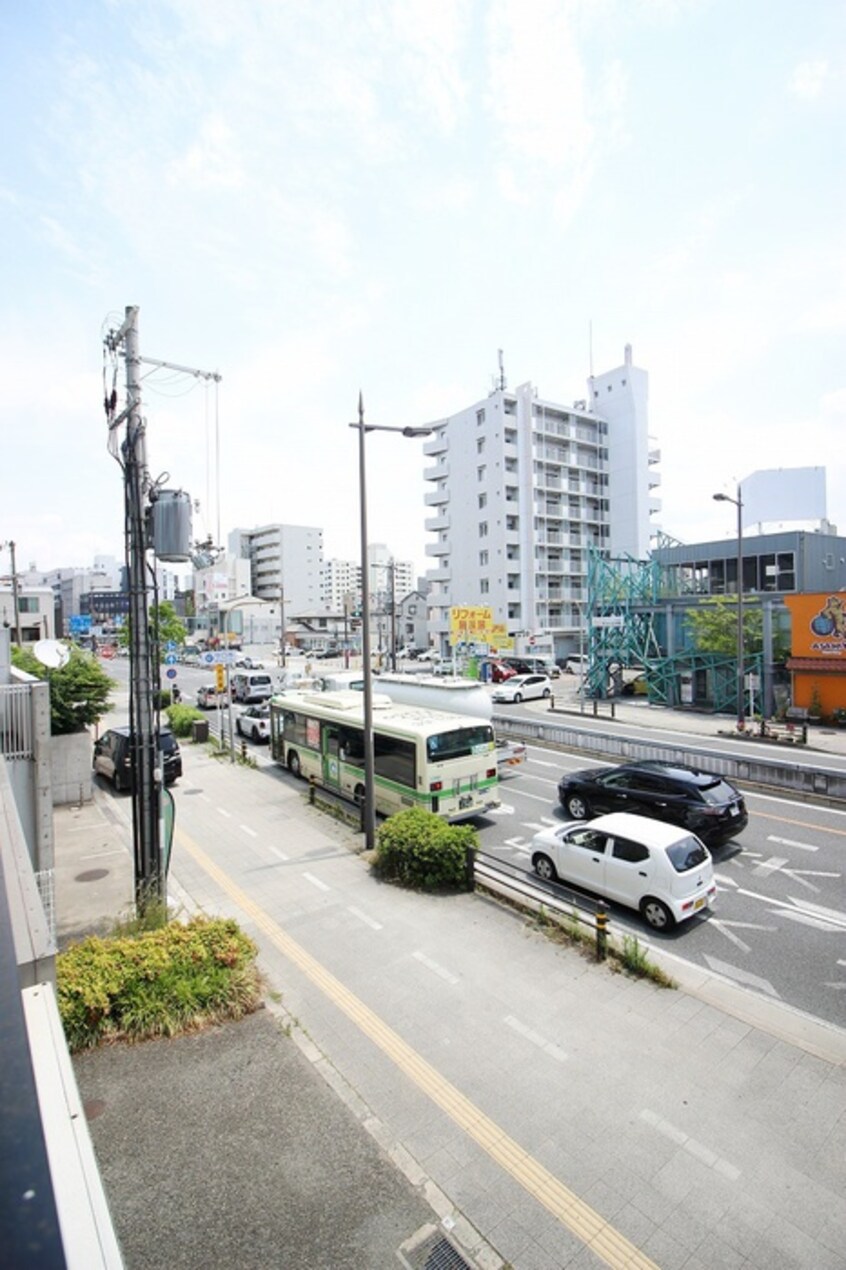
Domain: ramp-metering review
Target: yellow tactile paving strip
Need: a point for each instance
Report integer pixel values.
(584, 1222)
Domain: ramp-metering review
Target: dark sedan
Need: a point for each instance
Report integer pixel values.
(706, 804)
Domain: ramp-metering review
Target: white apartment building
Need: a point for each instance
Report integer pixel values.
(283, 557)
(34, 615)
(341, 578)
(523, 488)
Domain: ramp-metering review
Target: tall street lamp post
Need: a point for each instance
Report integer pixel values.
(369, 809)
(738, 502)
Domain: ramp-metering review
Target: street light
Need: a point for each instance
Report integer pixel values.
(738, 502)
(16, 604)
(369, 809)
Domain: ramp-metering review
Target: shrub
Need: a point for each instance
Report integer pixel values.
(79, 690)
(159, 983)
(418, 849)
(181, 717)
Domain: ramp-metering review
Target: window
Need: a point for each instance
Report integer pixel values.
(588, 840)
(481, 470)
(483, 529)
(484, 586)
(480, 445)
(631, 852)
(27, 604)
(480, 417)
(483, 500)
(483, 558)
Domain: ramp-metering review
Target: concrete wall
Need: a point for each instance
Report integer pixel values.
(70, 763)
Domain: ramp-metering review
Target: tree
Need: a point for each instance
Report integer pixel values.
(164, 627)
(713, 626)
(79, 691)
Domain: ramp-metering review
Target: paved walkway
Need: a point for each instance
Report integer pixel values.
(432, 1069)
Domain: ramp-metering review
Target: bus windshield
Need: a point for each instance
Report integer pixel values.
(459, 742)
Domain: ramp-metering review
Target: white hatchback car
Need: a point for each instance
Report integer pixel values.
(663, 871)
(522, 688)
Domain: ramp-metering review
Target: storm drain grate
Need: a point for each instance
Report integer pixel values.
(431, 1250)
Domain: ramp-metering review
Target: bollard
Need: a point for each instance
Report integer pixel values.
(244, 751)
(311, 789)
(601, 932)
(470, 866)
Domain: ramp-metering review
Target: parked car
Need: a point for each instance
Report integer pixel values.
(254, 722)
(328, 652)
(247, 663)
(208, 696)
(522, 688)
(113, 758)
(500, 672)
(663, 871)
(635, 687)
(429, 654)
(531, 665)
(701, 802)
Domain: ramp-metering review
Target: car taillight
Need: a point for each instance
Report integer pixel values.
(435, 787)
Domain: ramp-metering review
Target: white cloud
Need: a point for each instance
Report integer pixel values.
(211, 160)
(808, 79)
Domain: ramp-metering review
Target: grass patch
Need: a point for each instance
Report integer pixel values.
(135, 986)
(634, 959)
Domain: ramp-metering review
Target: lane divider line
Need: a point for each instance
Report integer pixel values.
(600, 1236)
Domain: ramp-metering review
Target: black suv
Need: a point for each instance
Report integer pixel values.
(706, 804)
(113, 757)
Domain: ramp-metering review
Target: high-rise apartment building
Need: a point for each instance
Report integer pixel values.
(522, 488)
(283, 556)
(341, 580)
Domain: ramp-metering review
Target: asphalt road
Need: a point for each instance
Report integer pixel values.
(779, 924)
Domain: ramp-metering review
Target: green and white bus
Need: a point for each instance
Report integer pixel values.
(445, 763)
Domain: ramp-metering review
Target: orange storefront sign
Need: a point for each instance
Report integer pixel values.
(818, 625)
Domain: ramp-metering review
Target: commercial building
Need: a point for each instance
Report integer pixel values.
(523, 489)
(283, 558)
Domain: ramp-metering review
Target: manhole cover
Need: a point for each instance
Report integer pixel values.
(92, 875)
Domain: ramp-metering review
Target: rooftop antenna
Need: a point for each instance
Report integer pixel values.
(501, 371)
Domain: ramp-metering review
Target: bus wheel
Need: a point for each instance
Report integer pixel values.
(294, 763)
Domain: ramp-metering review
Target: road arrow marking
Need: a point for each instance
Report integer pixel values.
(789, 842)
(728, 971)
(722, 925)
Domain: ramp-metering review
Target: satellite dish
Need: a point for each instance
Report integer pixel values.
(52, 653)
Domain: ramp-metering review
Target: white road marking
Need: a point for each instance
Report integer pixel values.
(539, 762)
(517, 844)
(789, 842)
(223, 812)
(794, 906)
(692, 1145)
(728, 971)
(799, 875)
(549, 1047)
(247, 830)
(363, 917)
(318, 882)
(723, 926)
(769, 866)
(280, 855)
(434, 967)
(504, 809)
(724, 881)
(539, 798)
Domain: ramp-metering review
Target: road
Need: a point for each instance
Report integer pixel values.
(779, 924)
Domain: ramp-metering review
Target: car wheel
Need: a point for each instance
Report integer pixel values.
(546, 692)
(518, 697)
(576, 805)
(656, 914)
(117, 782)
(294, 766)
(544, 868)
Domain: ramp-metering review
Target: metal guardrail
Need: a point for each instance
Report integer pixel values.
(802, 780)
(515, 883)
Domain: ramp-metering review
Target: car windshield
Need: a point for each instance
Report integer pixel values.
(687, 854)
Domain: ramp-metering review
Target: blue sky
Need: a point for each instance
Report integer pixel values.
(316, 198)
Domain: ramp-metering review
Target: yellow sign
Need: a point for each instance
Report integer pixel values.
(219, 678)
(469, 624)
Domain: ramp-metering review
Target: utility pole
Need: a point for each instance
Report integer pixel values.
(16, 604)
(143, 672)
(393, 593)
(281, 617)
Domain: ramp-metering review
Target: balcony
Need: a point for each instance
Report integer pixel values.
(436, 498)
(441, 575)
(439, 472)
(437, 524)
(437, 548)
(437, 445)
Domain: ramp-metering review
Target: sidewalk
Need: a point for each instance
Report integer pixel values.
(438, 1069)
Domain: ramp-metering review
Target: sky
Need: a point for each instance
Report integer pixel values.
(321, 198)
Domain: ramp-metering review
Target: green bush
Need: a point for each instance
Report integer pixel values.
(418, 849)
(159, 983)
(181, 717)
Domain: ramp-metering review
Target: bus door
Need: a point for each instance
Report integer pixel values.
(331, 756)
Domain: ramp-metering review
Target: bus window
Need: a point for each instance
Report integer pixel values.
(394, 759)
(459, 742)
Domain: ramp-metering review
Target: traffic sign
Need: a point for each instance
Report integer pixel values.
(219, 678)
(170, 659)
(208, 658)
(171, 673)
